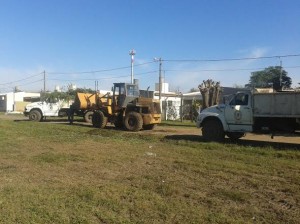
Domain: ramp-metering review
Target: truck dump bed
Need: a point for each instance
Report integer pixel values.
(280, 104)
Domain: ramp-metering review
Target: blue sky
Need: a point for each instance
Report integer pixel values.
(70, 37)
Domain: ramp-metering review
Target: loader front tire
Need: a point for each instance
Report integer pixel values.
(99, 120)
(133, 121)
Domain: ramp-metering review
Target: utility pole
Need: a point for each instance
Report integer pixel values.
(280, 78)
(160, 79)
(132, 53)
(44, 81)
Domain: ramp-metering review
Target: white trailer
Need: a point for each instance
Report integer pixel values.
(251, 112)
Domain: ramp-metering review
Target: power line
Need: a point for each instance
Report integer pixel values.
(166, 60)
(104, 78)
(8, 83)
(231, 59)
(99, 71)
(222, 70)
(28, 83)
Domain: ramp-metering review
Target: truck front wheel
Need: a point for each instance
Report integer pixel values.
(212, 130)
(99, 120)
(35, 115)
(133, 121)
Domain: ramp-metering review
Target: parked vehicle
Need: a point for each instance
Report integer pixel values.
(277, 112)
(50, 108)
(126, 108)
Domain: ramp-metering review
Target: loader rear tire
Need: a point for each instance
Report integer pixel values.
(212, 130)
(99, 120)
(133, 121)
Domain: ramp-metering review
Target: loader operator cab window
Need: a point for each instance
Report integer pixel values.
(239, 99)
(132, 90)
(119, 90)
(119, 94)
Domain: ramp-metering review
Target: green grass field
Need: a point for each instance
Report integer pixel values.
(60, 173)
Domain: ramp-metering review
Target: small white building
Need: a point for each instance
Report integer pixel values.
(174, 105)
(170, 102)
(16, 101)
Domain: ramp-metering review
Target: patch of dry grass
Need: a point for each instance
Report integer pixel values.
(58, 173)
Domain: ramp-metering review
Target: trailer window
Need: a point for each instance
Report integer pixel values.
(240, 99)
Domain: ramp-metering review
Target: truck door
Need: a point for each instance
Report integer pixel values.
(238, 113)
(51, 107)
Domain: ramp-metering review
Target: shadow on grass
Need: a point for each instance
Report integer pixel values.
(50, 120)
(177, 125)
(21, 120)
(192, 138)
(242, 142)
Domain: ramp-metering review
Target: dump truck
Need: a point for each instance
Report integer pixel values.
(250, 111)
(125, 108)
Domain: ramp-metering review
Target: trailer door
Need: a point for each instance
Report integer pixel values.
(238, 113)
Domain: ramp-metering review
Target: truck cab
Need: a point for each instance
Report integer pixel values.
(232, 118)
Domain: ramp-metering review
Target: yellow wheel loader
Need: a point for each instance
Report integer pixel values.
(125, 108)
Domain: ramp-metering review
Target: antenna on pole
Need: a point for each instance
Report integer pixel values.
(132, 53)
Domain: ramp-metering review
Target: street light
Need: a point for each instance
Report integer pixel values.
(132, 53)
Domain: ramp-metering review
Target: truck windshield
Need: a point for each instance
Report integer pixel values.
(239, 99)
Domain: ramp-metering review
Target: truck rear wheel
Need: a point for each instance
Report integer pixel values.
(88, 116)
(35, 115)
(99, 120)
(133, 121)
(212, 130)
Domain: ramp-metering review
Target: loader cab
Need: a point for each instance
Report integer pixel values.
(123, 94)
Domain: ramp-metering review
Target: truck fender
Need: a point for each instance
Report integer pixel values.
(222, 121)
(38, 109)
